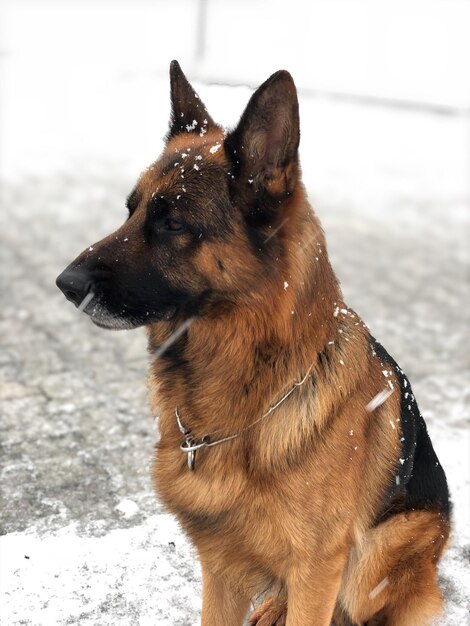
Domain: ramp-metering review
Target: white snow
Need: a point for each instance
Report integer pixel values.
(173, 337)
(86, 300)
(127, 507)
(379, 399)
(380, 587)
(146, 574)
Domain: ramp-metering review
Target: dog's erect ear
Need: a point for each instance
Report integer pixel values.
(188, 113)
(264, 145)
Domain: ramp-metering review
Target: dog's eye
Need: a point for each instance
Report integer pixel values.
(173, 225)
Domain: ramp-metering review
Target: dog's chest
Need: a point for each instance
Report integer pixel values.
(213, 487)
(219, 503)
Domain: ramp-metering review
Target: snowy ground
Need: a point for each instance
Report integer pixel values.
(84, 540)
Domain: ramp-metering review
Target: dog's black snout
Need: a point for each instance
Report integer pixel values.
(75, 283)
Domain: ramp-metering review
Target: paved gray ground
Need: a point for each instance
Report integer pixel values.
(76, 431)
(76, 434)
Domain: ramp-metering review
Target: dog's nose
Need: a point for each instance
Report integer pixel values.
(75, 283)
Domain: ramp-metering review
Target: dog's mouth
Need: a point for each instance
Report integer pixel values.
(113, 323)
(102, 317)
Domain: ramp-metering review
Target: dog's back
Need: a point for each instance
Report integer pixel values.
(420, 482)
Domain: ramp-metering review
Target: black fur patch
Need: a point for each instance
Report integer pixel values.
(325, 363)
(421, 482)
(133, 201)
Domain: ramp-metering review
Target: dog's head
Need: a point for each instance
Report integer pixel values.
(205, 220)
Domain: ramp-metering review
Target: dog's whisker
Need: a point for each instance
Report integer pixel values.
(86, 301)
(173, 337)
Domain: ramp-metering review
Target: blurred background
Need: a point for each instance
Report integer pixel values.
(88, 80)
(384, 91)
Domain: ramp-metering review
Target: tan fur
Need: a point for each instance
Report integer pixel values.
(293, 499)
(291, 506)
(402, 554)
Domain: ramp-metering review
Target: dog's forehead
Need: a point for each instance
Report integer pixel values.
(189, 161)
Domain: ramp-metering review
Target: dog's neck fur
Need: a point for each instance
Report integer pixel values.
(214, 371)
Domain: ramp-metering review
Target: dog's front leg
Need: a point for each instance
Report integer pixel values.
(222, 604)
(312, 591)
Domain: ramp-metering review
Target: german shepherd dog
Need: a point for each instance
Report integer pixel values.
(292, 450)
